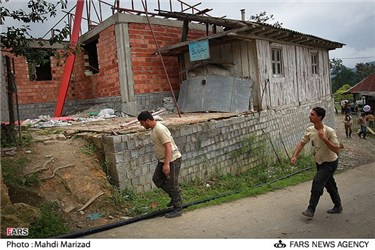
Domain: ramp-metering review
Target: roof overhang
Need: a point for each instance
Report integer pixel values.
(245, 30)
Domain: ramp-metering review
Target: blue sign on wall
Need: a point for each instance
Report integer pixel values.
(199, 50)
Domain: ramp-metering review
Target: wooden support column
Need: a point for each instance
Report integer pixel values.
(185, 31)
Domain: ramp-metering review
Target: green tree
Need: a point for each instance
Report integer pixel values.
(339, 94)
(264, 18)
(341, 75)
(363, 70)
(18, 39)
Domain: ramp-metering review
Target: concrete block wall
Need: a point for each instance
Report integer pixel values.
(148, 101)
(151, 101)
(34, 110)
(211, 147)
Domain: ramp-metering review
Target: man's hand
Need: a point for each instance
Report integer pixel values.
(335, 148)
(293, 161)
(166, 169)
(321, 134)
(296, 153)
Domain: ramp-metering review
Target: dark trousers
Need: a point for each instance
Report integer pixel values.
(324, 179)
(363, 131)
(169, 185)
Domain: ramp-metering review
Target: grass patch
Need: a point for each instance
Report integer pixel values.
(12, 171)
(8, 141)
(89, 149)
(221, 188)
(51, 222)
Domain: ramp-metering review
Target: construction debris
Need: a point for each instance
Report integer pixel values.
(91, 201)
(45, 121)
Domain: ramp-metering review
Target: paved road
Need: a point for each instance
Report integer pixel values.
(273, 215)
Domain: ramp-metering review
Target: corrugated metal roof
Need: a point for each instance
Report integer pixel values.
(364, 87)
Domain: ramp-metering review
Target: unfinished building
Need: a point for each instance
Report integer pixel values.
(267, 77)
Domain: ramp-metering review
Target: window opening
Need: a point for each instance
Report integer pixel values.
(276, 61)
(314, 63)
(41, 71)
(91, 58)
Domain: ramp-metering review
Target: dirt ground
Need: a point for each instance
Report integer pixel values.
(64, 163)
(63, 159)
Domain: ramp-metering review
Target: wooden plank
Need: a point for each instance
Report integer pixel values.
(236, 46)
(244, 59)
(226, 52)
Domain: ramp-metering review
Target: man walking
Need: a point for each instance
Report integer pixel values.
(169, 161)
(325, 152)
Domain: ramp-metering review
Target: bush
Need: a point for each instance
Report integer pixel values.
(50, 224)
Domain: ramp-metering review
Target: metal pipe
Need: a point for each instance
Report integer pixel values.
(70, 60)
(243, 14)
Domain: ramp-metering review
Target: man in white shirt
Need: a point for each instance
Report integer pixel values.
(169, 161)
(326, 149)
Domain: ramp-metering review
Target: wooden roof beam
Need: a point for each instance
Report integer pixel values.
(265, 32)
(169, 49)
(297, 39)
(255, 30)
(204, 19)
(281, 35)
(192, 7)
(203, 11)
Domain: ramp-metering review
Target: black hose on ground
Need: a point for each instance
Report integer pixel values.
(161, 212)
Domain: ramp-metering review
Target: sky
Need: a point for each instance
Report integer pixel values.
(351, 22)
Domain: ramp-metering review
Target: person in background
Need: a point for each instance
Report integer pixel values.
(326, 149)
(348, 125)
(347, 108)
(362, 126)
(169, 161)
(370, 119)
(343, 102)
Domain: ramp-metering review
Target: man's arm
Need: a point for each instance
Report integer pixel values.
(296, 152)
(168, 157)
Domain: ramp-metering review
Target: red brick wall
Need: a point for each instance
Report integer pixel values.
(148, 71)
(106, 82)
(35, 91)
